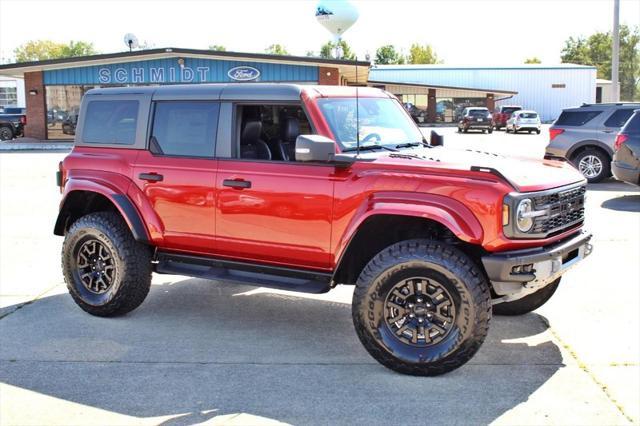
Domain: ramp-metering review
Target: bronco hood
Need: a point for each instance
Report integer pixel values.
(523, 173)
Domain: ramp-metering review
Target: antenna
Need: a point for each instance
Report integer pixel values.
(357, 113)
(131, 41)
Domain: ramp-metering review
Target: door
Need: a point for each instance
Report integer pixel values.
(178, 172)
(275, 211)
(270, 208)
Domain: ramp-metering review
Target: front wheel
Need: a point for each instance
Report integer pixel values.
(490, 130)
(528, 303)
(538, 132)
(107, 272)
(421, 307)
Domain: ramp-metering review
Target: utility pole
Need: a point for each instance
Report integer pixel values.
(615, 54)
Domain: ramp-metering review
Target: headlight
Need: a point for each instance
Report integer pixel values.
(524, 217)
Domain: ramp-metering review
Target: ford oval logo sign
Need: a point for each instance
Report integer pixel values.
(243, 73)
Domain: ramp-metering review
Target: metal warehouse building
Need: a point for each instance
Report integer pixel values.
(546, 89)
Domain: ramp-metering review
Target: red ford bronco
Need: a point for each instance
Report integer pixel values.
(305, 188)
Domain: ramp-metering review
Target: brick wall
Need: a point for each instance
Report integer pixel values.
(329, 76)
(490, 102)
(36, 106)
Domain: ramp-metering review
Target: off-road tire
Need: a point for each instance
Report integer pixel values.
(604, 159)
(528, 303)
(132, 262)
(6, 133)
(435, 261)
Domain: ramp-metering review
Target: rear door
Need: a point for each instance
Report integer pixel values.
(177, 172)
(613, 123)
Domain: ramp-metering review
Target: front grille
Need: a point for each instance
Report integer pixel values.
(565, 208)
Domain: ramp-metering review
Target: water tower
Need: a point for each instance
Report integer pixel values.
(336, 16)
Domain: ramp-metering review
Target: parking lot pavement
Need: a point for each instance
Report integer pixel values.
(199, 351)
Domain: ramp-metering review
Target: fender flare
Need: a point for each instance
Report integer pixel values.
(448, 212)
(118, 198)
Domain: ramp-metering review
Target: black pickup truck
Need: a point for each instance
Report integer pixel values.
(12, 122)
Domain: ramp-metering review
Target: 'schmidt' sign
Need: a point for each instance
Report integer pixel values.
(171, 75)
(243, 73)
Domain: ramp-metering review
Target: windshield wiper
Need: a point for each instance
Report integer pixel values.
(369, 148)
(410, 144)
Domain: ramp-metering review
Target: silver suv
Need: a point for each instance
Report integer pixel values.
(585, 135)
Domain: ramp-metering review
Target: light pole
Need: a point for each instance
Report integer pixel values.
(615, 54)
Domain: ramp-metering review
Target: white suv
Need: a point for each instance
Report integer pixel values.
(523, 120)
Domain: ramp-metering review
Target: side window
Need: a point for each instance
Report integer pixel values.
(185, 128)
(111, 122)
(269, 132)
(618, 118)
(576, 118)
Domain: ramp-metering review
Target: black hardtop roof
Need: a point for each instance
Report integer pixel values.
(208, 90)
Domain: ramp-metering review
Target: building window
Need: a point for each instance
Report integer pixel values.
(8, 96)
(63, 104)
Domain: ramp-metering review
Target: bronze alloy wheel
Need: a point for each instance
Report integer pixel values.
(95, 266)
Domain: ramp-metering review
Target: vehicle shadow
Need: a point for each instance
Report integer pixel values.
(612, 184)
(626, 203)
(197, 349)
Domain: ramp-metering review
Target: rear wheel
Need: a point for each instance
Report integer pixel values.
(490, 130)
(593, 164)
(6, 134)
(528, 303)
(538, 132)
(421, 307)
(107, 272)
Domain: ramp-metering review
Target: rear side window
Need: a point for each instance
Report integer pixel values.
(576, 118)
(185, 128)
(111, 122)
(633, 125)
(618, 118)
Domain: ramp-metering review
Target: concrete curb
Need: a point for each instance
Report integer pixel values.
(28, 144)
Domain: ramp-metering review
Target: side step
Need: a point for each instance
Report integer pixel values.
(243, 273)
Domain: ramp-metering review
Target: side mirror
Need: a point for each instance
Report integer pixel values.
(320, 149)
(436, 139)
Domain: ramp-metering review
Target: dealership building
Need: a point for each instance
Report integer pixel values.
(433, 93)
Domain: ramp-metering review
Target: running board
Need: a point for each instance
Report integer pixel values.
(243, 273)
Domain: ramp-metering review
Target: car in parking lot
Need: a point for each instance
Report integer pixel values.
(585, 136)
(626, 160)
(12, 122)
(523, 121)
(306, 187)
(502, 115)
(475, 118)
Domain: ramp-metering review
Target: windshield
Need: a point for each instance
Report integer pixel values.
(383, 121)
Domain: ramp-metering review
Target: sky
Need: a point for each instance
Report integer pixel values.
(462, 32)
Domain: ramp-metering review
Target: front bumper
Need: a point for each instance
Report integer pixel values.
(522, 272)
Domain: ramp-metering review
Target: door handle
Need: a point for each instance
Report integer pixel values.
(238, 184)
(151, 177)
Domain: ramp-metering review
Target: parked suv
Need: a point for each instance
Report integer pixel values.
(585, 136)
(12, 122)
(304, 188)
(475, 118)
(502, 115)
(626, 160)
(524, 121)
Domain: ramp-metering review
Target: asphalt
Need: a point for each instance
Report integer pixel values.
(216, 353)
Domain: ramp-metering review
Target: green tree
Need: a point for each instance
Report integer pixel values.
(387, 55)
(533, 60)
(328, 50)
(38, 50)
(422, 54)
(277, 49)
(596, 50)
(218, 47)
